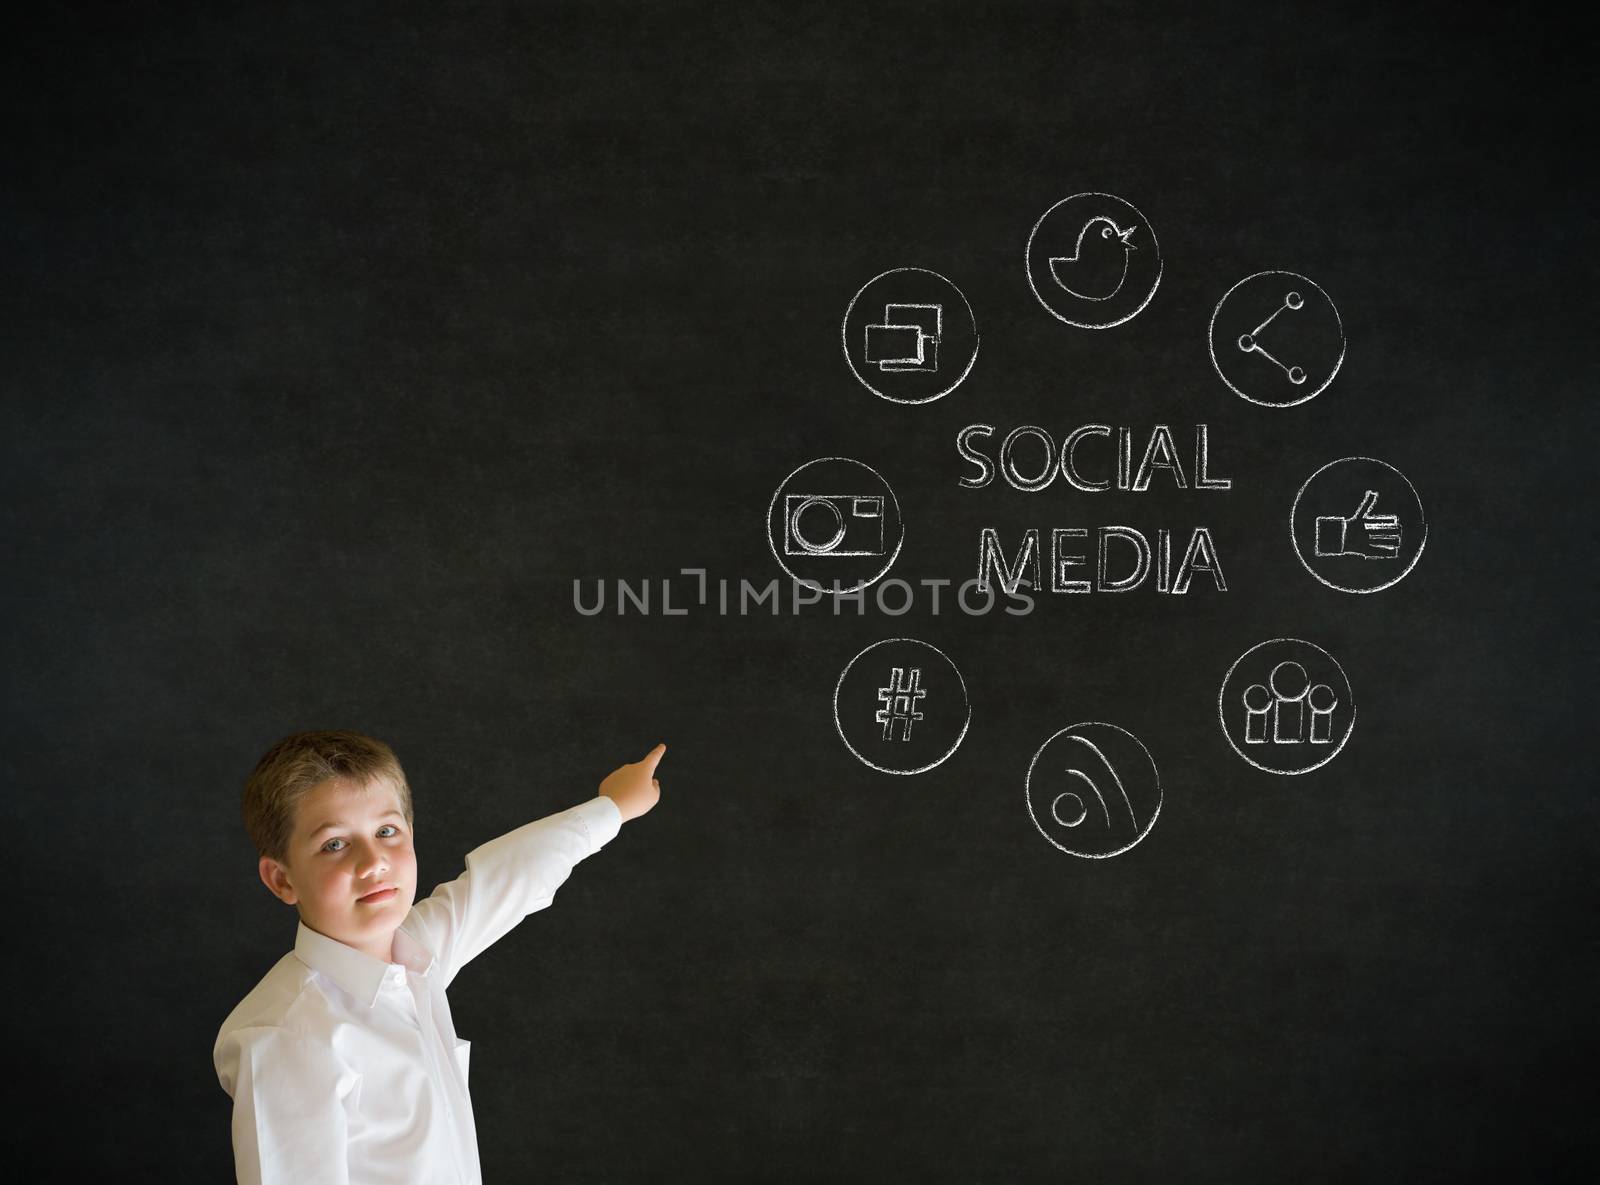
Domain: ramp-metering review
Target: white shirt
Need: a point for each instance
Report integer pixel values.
(345, 1070)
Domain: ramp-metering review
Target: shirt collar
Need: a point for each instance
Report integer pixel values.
(356, 972)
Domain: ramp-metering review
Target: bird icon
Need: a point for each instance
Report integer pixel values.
(1098, 264)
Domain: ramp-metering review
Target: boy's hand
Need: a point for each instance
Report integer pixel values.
(632, 787)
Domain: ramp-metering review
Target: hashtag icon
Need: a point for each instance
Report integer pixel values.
(900, 702)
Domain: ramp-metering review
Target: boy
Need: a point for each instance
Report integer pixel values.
(343, 1063)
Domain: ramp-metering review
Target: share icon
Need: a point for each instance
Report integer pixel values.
(1276, 339)
(1250, 343)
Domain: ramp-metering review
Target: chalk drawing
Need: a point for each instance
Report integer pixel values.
(899, 700)
(901, 706)
(909, 335)
(1092, 260)
(1357, 525)
(1276, 339)
(1093, 790)
(1075, 269)
(834, 524)
(1113, 459)
(1286, 706)
(1250, 343)
(1364, 534)
(907, 339)
(856, 522)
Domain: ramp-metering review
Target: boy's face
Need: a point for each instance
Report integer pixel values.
(351, 868)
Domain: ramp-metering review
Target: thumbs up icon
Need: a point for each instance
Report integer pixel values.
(1334, 547)
(1370, 536)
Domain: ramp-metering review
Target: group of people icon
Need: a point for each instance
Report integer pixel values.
(1288, 709)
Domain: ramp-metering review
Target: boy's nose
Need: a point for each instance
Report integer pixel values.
(371, 862)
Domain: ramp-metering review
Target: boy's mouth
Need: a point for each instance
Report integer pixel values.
(379, 895)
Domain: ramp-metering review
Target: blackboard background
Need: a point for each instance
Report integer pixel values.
(338, 345)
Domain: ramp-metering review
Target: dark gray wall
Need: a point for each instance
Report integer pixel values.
(338, 345)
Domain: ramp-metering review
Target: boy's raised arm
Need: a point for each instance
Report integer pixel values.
(518, 873)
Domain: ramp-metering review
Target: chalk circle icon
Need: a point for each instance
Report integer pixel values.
(901, 706)
(834, 525)
(1093, 790)
(909, 335)
(1093, 261)
(1286, 706)
(1276, 339)
(1357, 525)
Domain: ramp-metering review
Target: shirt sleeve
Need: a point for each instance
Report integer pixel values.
(507, 879)
(289, 1093)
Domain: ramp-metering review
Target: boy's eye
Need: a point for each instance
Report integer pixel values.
(328, 847)
(390, 828)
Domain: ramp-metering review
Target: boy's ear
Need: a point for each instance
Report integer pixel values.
(276, 878)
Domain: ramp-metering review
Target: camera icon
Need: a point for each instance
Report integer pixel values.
(833, 524)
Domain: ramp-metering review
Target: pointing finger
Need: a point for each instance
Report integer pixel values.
(653, 758)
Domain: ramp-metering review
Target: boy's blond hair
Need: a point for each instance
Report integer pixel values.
(301, 761)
